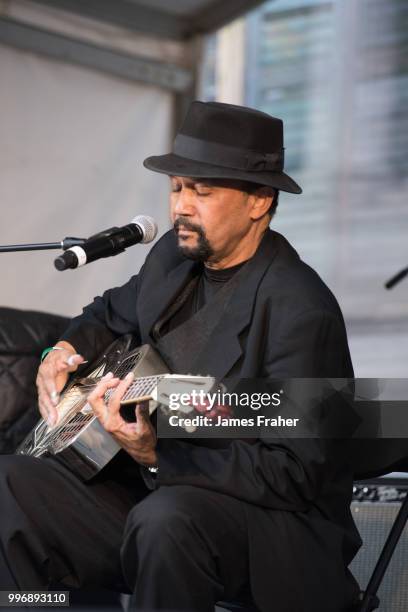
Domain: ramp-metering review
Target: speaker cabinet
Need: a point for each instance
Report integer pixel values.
(374, 520)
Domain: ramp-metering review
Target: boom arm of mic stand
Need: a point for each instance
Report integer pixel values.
(396, 279)
(65, 244)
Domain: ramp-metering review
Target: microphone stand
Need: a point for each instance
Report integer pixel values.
(65, 244)
(397, 278)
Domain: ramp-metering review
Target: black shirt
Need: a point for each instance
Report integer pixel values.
(198, 292)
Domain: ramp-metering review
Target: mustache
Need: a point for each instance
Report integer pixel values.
(188, 225)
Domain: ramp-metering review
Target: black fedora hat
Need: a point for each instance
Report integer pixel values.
(220, 140)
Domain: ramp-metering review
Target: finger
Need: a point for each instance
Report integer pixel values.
(51, 392)
(96, 399)
(64, 363)
(123, 386)
(142, 416)
(43, 409)
(46, 403)
(73, 361)
(46, 382)
(47, 389)
(106, 382)
(47, 411)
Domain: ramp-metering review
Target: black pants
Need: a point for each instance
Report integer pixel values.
(176, 548)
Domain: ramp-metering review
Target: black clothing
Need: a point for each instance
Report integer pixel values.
(278, 320)
(202, 288)
(56, 529)
(184, 549)
(282, 322)
(212, 280)
(285, 321)
(179, 354)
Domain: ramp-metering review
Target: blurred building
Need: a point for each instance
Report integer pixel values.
(337, 74)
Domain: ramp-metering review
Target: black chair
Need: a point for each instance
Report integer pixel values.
(23, 336)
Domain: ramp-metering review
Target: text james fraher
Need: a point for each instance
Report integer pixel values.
(204, 421)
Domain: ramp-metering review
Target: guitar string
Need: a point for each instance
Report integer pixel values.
(139, 388)
(142, 386)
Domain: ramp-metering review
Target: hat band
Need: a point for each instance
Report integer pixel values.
(229, 157)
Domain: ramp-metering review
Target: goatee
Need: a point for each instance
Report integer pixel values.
(203, 250)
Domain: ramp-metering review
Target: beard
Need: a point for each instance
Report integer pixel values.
(203, 250)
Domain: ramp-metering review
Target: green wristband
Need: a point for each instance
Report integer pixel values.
(48, 350)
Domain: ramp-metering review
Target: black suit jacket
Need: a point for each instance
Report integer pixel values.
(284, 323)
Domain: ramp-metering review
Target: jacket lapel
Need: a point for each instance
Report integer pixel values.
(159, 293)
(224, 348)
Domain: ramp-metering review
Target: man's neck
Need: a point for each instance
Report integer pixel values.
(237, 257)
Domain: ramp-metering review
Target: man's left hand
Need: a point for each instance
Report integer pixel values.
(139, 438)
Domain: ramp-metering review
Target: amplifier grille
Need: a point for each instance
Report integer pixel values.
(374, 521)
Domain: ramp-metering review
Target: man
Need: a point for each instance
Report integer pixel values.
(221, 295)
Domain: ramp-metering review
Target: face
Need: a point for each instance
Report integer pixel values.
(213, 219)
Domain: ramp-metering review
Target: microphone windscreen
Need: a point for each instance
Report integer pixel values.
(148, 227)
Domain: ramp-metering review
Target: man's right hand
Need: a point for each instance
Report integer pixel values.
(52, 376)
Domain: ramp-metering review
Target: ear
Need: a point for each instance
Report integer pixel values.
(260, 202)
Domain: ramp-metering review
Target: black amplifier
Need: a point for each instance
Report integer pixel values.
(375, 505)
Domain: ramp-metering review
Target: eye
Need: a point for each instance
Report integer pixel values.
(203, 191)
(175, 187)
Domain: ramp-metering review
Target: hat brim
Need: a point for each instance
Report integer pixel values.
(180, 166)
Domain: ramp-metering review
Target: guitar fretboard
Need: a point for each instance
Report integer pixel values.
(141, 387)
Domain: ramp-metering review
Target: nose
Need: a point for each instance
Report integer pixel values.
(183, 203)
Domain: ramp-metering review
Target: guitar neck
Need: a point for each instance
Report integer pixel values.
(140, 390)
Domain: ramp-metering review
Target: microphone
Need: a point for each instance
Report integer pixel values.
(108, 243)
